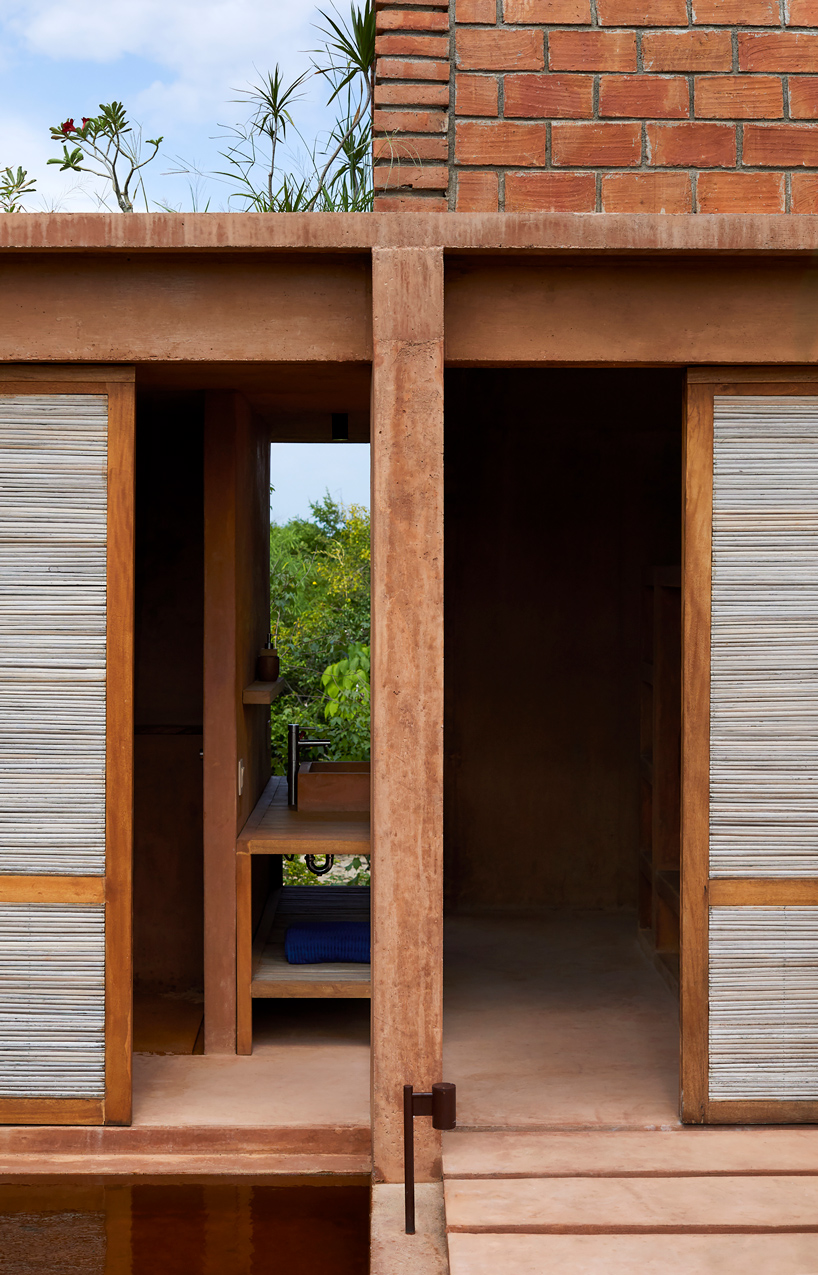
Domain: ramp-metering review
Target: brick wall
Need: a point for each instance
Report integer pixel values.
(598, 105)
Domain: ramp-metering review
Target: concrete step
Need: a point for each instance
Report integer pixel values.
(627, 1254)
(676, 1152)
(210, 1168)
(652, 1204)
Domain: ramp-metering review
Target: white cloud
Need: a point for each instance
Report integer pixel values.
(177, 64)
(166, 31)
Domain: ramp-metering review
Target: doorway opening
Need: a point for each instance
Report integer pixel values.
(207, 900)
(563, 551)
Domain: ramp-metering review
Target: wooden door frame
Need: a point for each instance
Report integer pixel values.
(699, 890)
(114, 889)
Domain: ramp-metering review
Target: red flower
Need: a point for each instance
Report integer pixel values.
(67, 127)
(85, 120)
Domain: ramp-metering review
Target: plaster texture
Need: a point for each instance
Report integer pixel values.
(622, 1153)
(634, 1204)
(392, 1251)
(557, 1021)
(625, 1254)
(309, 1068)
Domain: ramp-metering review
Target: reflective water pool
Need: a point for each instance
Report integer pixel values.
(202, 1229)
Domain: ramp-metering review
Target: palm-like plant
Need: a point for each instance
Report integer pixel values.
(341, 177)
(348, 62)
(273, 101)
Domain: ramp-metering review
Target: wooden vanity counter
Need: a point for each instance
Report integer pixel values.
(273, 828)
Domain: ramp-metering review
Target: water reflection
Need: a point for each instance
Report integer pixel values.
(202, 1229)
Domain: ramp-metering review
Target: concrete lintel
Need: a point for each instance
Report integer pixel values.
(595, 233)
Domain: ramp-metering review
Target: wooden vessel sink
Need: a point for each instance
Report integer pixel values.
(333, 785)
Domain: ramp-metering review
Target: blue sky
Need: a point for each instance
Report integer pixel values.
(301, 472)
(176, 65)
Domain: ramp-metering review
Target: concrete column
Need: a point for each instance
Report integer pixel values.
(407, 697)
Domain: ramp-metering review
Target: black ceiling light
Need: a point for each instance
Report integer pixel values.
(340, 427)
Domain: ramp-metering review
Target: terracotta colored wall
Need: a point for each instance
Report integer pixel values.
(168, 772)
(599, 106)
(561, 487)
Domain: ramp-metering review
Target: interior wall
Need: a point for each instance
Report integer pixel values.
(168, 877)
(562, 486)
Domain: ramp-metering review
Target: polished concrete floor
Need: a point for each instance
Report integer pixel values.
(558, 1021)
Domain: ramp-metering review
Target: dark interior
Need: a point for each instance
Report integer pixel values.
(563, 491)
(168, 868)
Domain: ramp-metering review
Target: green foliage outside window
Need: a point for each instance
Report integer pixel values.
(320, 601)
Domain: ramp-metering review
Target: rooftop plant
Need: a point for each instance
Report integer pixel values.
(338, 176)
(13, 186)
(106, 146)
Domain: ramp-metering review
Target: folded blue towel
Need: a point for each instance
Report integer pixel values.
(318, 942)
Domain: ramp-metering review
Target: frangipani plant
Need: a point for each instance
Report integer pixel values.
(106, 146)
(13, 185)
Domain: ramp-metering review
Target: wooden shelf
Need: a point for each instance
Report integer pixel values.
(275, 829)
(274, 977)
(262, 692)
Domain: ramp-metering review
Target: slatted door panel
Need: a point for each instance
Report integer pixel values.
(750, 769)
(66, 728)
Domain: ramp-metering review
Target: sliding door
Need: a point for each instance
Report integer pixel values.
(66, 741)
(750, 767)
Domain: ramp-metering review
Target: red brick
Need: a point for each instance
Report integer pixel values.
(412, 46)
(611, 145)
(740, 192)
(500, 50)
(476, 11)
(687, 51)
(642, 13)
(778, 51)
(406, 203)
(739, 97)
(691, 145)
(550, 192)
(549, 96)
(412, 94)
(477, 192)
(412, 20)
(391, 176)
(547, 12)
(804, 193)
(397, 69)
(736, 13)
(780, 146)
(475, 95)
(410, 121)
(647, 193)
(644, 97)
(411, 148)
(802, 13)
(804, 98)
(592, 50)
(506, 144)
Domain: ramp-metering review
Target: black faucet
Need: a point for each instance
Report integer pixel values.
(294, 743)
